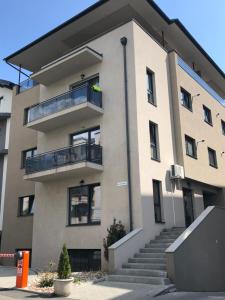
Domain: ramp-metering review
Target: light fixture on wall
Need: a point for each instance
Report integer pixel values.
(195, 96)
(82, 182)
(201, 141)
(82, 76)
(222, 153)
(217, 115)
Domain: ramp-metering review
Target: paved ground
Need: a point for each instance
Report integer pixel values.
(101, 291)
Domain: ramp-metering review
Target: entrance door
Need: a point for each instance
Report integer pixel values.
(188, 206)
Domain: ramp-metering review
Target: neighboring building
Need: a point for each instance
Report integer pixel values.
(87, 171)
(5, 114)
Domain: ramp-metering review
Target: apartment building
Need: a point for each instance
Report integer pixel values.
(5, 114)
(123, 94)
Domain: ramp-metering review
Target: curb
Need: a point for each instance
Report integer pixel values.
(168, 289)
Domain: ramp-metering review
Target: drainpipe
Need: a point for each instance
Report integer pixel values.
(123, 41)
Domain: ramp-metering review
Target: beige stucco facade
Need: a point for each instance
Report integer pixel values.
(48, 229)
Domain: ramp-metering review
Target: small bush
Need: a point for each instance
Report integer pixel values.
(64, 268)
(115, 232)
(46, 279)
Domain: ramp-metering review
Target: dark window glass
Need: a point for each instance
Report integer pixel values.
(153, 129)
(85, 260)
(157, 200)
(91, 136)
(27, 154)
(186, 99)
(150, 87)
(212, 158)
(207, 115)
(223, 127)
(26, 206)
(190, 146)
(85, 205)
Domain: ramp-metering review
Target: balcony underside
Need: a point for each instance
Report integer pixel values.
(73, 114)
(79, 169)
(67, 65)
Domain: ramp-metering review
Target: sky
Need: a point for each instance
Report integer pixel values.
(23, 21)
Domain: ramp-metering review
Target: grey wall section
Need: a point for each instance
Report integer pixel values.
(198, 263)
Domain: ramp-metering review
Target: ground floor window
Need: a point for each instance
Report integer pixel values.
(85, 204)
(157, 200)
(85, 259)
(26, 206)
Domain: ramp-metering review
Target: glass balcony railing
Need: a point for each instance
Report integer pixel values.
(72, 98)
(63, 157)
(26, 85)
(200, 81)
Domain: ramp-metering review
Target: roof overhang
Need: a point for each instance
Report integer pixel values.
(105, 15)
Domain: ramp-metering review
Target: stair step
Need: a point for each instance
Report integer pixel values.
(177, 230)
(147, 260)
(139, 279)
(159, 245)
(144, 266)
(167, 237)
(149, 249)
(152, 255)
(149, 255)
(162, 241)
(169, 234)
(141, 272)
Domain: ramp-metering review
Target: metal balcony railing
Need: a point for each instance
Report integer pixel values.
(200, 81)
(72, 98)
(63, 157)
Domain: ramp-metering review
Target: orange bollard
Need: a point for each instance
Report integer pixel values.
(22, 270)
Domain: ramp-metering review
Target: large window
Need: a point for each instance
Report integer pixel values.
(151, 87)
(154, 141)
(223, 127)
(190, 144)
(27, 154)
(85, 259)
(85, 205)
(207, 115)
(157, 200)
(26, 206)
(212, 158)
(186, 99)
(91, 136)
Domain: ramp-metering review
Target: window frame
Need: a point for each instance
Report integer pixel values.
(206, 109)
(195, 155)
(88, 130)
(157, 203)
(23, 157)
(152, 99)
(223, 126)
(89, 223)
(156, 141)
(214, 158)
(183, 91)
(30, 206)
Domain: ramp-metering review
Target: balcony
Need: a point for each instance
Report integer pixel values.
(67, 65)
(78, 104)
(71, 161)
(26, 85)
(200, 81)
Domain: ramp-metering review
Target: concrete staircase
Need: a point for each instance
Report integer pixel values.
(149, 265)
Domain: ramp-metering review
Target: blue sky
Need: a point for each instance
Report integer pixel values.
(23, 21)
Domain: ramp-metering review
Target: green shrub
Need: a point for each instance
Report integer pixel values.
(64, 268)
(46, 279)
(115, 232)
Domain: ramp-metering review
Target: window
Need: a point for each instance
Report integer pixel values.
(91, 136)
(190, 146)
(223, 127)
(154, 141)
(85, 260)
(27, 154)
(186, 99)
(212, 158)
(26, 206)
(85, 205)
(207, 115)
(157, 200)
(150, 87)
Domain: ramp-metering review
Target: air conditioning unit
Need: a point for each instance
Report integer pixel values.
(177, 172)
